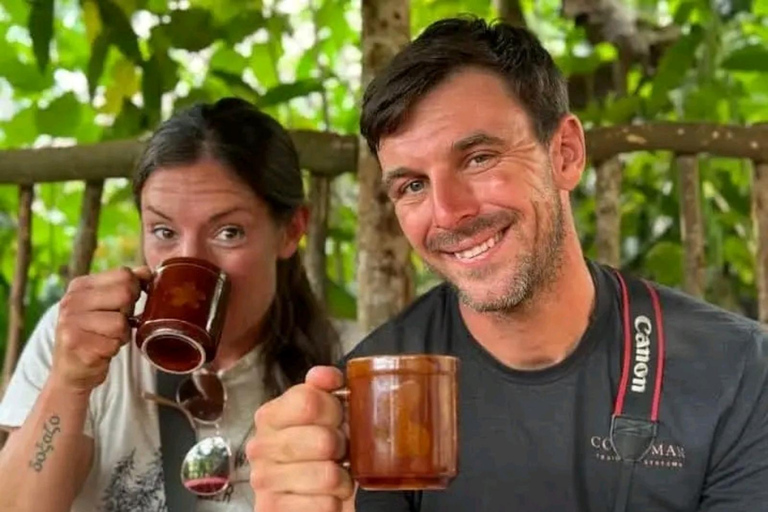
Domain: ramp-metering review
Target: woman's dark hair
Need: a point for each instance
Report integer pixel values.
(513, 53)
(298, 334)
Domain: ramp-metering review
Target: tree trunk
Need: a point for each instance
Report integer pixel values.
(760, 214)
(384, 283)
(692, 225)
(608, 211)
(19, 285)
(511, 12)
(317, 232)
(87, 231)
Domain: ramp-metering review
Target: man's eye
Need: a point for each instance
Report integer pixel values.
(413, 187)
(479, 159)
(163, 233)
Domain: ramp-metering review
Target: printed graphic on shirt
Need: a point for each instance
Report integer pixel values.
(135, 488)
(663, 454)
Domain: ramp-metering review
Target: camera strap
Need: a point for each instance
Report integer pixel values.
(176, 439)
(636, 411)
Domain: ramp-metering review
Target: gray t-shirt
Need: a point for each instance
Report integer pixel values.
(538, 440)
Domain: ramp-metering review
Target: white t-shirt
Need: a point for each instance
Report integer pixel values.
(127, 474)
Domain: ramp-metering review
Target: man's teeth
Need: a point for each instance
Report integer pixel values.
(477, 250)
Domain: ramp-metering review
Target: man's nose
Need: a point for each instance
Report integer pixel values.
(453, 201)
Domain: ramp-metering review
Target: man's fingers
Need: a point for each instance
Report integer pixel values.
(297, 503)
(319, 477)
(302, 404)
(325, 377)
(295, 444)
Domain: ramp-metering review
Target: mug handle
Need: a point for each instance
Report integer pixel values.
(343, 395)
(134, 321)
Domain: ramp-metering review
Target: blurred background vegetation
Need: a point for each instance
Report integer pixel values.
(117, 67)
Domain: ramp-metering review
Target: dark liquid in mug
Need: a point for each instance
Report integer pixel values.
(173, 353)
(403, 424)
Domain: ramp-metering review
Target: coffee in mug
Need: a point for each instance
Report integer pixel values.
(180, 328)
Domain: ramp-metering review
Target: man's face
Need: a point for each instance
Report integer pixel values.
(474, 192)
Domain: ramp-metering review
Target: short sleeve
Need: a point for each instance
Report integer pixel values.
(31, 373)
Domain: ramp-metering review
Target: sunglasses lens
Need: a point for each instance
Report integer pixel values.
(203, 396)
(207, 467)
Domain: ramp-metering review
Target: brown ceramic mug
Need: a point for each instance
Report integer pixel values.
(401, 412)
(180, 327)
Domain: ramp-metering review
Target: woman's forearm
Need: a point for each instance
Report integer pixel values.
(44, 463)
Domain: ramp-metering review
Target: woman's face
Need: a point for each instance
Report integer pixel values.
(204, 210)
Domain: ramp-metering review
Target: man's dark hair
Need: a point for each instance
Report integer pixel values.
(450, 45)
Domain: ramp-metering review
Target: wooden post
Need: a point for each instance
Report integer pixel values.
(760, 215)
(692, 225)
(608, 211)
(317, 232)
(385, 283)
(87, 231)
(19, 285)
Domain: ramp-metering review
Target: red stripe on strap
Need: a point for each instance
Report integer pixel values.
(627, 348)
(660, 351)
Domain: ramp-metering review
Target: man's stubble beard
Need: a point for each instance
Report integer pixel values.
(533, 272)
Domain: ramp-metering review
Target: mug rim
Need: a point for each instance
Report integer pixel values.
(188, 260)
(188, 339)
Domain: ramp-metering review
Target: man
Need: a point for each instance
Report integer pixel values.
(479, 155)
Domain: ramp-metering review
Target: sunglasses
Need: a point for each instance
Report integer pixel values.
(208, 466)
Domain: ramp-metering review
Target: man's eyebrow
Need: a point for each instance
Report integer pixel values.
(476, 139)
(395, 174)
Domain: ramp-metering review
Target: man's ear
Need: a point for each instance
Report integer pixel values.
(293, 230)
(567, 152)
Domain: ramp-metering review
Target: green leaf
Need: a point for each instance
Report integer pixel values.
(237, 85)
(243, 25)
(61, 118)
(120, 31)
(674, 66)
(191, 29)
(152, 89)
(21, 130)
(749, 58)
(683, 12)
(285, 92)
(228, 60)
(129, 123)
(760, 8)
(41, 30)
(341, 303)
(99, 52)
(24, 78)
(194, 96)
(263, 65)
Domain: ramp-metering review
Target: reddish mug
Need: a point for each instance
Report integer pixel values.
(401, 413)
(180, 328)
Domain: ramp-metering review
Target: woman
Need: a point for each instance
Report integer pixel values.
(220, 182)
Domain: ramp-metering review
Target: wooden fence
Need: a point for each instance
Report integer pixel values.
(327, 155)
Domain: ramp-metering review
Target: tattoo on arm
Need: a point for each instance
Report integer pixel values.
(45, 445)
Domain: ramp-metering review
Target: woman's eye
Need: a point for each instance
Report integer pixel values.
(163, 233)
(230, 233)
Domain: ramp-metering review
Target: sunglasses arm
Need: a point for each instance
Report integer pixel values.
(170, 403)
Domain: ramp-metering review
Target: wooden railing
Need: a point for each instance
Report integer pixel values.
(327, 155)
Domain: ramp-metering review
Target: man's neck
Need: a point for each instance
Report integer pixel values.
(547, 328)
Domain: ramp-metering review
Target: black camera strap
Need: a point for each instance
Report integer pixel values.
(636, 411)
